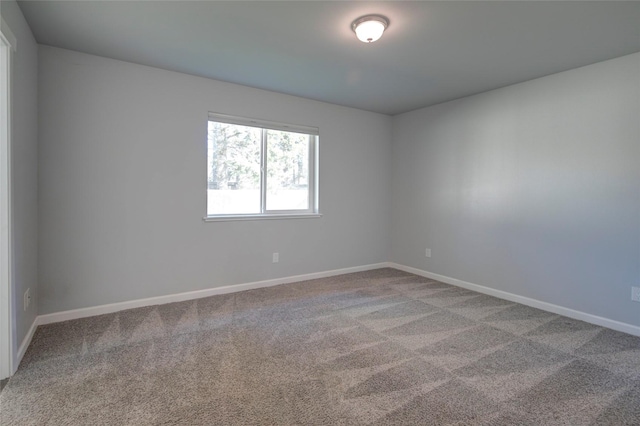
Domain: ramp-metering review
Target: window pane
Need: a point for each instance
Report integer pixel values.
(234, 169)
(287, 170)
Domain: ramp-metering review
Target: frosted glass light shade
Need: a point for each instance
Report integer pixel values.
(369, 28)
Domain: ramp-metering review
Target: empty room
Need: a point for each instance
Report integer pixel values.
(319, 212)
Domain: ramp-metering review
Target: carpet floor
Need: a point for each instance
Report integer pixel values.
(381, 347)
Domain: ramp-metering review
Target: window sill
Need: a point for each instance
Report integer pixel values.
(261, 217)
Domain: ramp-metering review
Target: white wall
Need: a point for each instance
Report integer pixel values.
(532, 189)
(24, 167)
(123, 178)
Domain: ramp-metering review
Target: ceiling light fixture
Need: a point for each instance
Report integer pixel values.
(369, 28)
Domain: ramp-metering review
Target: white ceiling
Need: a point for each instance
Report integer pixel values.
(432, 51)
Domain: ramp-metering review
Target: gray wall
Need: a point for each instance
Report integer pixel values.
(24, 152)
(122, 165)
(532, 189)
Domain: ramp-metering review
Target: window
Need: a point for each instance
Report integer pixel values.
(260, 169)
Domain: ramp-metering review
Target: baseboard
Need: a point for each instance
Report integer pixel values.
(179, 297)
(25, 343)
(197, 294)
(545, 306)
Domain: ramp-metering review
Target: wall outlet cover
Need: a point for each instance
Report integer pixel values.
(427, 252)
(635, 294)
(27, 298)
(275, 258)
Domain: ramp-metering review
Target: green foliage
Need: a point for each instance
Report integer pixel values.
(287, 159)
(234, 158)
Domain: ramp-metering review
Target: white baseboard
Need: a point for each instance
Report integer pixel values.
(197, 294)
(179, 297)
(25, 343)
(549, 307)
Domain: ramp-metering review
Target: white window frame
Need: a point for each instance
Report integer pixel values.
(8, 361)
(314, 135)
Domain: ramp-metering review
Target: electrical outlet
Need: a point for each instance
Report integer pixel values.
(275, 258)
(27, 298)
(427, 252)
(635, 294)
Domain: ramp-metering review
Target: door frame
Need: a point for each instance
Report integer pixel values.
(7, 320)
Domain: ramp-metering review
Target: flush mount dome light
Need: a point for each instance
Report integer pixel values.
(369, 28)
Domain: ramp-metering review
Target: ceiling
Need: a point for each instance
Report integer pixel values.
(432, 51)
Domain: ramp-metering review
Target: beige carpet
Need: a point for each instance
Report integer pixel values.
(381, 347)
